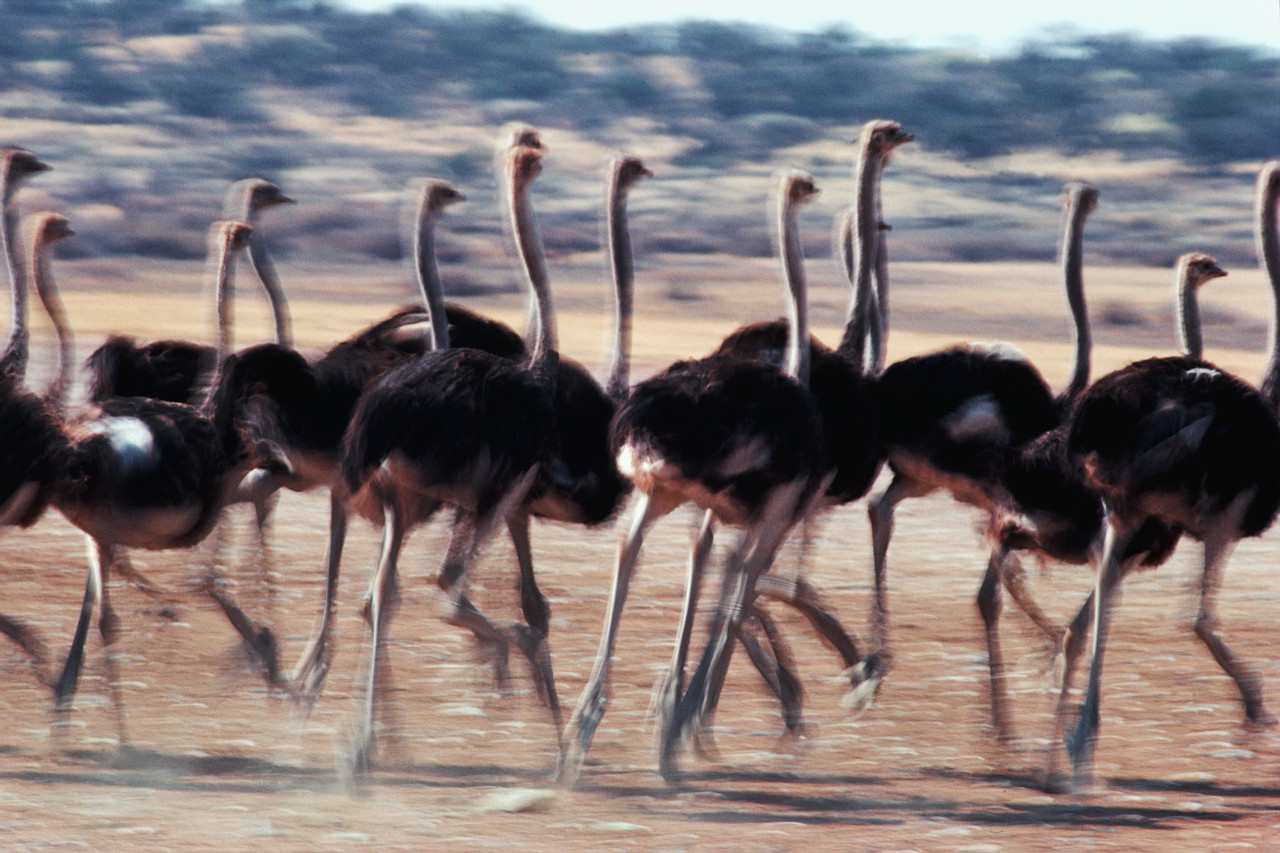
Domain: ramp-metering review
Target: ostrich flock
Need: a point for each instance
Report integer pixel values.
(439, 407)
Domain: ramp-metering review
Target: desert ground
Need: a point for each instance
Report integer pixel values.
(216, 762)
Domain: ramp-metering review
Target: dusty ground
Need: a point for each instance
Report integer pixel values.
(217, 763)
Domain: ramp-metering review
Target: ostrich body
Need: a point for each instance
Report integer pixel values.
(1179, 442)
(954, 419)
(739, 438)
(176, 370)
(466, 428)
(143, 473)
(853, 457)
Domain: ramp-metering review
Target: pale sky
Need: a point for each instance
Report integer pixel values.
(924, 23)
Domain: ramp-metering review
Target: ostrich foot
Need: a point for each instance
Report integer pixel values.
(309, 675)
(494, 653)
(357, 762)
(582, 728)
(864, 679)
(1258, 717)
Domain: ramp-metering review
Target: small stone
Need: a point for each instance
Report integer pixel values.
(517, 800)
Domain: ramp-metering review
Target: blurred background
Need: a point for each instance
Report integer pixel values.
(147, 109)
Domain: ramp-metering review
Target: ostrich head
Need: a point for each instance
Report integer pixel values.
(879, 137)
(1082, 193)
(1197, 268)
(438, 194)
(798, 187)
(524, 163)
(627, 170)
(251, 196)
(525, 136)
(46, 228)
(19, 163)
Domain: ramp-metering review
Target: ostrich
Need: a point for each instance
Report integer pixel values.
(1179, 442)
(292, 413)
(143, 473)
(584, 486)
(951, 418)
(30, 425)
(1045, 507)
(737, 436)
(464, 427)
(177, 370)
(174, 370)
(849, 424)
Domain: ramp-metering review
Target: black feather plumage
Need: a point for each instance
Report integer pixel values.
(700, 415)
(1129, 412)
(445, 412)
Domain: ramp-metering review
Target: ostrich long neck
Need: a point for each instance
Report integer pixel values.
(266, 271)
(623, 289)
(224, 286)
(47, 290)
(14, 360)
(240, 205)
(529, 242)
(1190, 341)
(796, 360)
(1073, 280)
(878, 311)
(866, 230)
(1269, 250)
(424, 257)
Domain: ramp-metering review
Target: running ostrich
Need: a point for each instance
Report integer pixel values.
(143, 473)
(1048, 510)
(176, 370)
(584, 486)
(467, 428)
(854, 452)
(1179, 442)
(950, 418)
(30, 425)
(293, 413)
(740, 438)
(849, 423)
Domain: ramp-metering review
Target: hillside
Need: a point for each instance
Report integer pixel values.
(147, 108)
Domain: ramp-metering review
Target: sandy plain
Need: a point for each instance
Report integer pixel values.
(218, 763)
